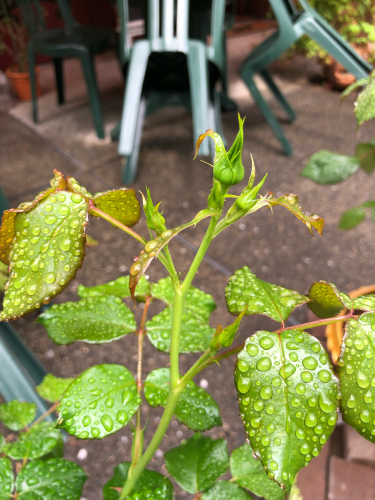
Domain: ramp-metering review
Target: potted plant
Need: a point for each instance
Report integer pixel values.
(355, 22)
(18, 74)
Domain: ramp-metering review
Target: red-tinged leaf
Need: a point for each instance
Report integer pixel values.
(153, 247)
(7, 222)
(48, 248)
(290, 202)
(121, 204)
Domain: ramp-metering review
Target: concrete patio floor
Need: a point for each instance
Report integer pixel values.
(277, 247)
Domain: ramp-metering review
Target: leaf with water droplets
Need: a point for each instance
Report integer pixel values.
(99, 402)
(153, 247)
(121, 204)
(16, 415)
(7, 228)
(119, 287)
(195, 335)
(249, 473)
(326, 301)
(94, 320)
(364, 302)
(52, 388)
(52, 479)
(288, 396)
(225, 490)
(47, 250)
(6, 479)
(325, 167)
(354, 86)
(197, 302)
(39, 441)
(150, 485)
(356, 371)
(290, 202)
(195, 408)
(197, 462)
(262, 298)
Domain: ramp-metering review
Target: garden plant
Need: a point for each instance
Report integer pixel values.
(327, 167)
(288, 393)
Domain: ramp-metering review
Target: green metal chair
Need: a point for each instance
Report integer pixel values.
(72, 40)
(293, 24)
(170, 68)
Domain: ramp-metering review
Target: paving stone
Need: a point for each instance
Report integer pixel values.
(350, 481)
(357, 447)
(310, 488)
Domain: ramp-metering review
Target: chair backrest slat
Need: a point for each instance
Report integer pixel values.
(283, 12)
(32, 15)
(66, 13)
(168, 23)
(153, 20)
(182, 25)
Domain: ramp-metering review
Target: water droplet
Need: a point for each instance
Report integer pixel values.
(273, 465)
(306, 376)
(50, 278)
(293, 356)
(304, 448)
(324, 376)
(109, 402)
(332, 420)
(122, 417)
(367, 398)
(316, 347)
(266, 392)
(50, 219)
(300, 434)
(312, 401)
(287, 370)
(255, 422)
(65, 245)
(293, 346)
(48, 207)
(62, 197)
(270, 410)
(318, 429)
(107, 422)
(276, 381)
(349, 369)
(252, 349)
(96, 392)
(311, 420)
(86, 420)
(258, 405)
(266, 440)
(31, 289)
(264, 364)
(95, 432)
(365, 416)
(243, 384)
(77, 198)
(271, 428)
(325, 404)
(266, 343)
(296, 402)
(299, 337)
(310, 363)
(64, 210)
(242, 365)
(362, 380)
(300, 389)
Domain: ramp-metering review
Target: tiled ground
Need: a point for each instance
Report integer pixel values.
(277, 247)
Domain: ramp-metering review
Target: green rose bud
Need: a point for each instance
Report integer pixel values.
(154, 218)
(228, 168)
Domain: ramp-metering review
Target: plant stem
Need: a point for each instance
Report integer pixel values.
(138, 437)
(96, 211)
(319, 322)
(176, 385)
(42, 417)
(173, 272)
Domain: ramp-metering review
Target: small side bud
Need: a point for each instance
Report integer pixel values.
(216, 198)
(227, 335)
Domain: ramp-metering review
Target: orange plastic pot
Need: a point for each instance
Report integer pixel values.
(20, 83)
(335, 331)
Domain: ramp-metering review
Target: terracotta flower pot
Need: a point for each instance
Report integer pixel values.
(335, 331)
(20, 83)
(337, 75)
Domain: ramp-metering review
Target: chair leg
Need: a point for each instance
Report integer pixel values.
(129, 170)
(132, 98)
(266, 110)
(338, 51)
(58, 63)
(90, 77)
(31, 56)
(198, 78)
(115, 132)
(278, 95)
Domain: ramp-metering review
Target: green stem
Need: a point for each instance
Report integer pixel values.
(177, 385)
(173, 272)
